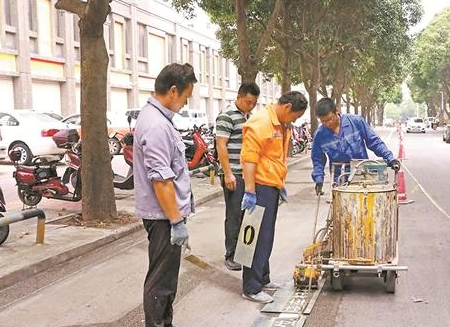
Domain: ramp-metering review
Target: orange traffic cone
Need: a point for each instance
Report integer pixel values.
(401, 151)
(401, 189)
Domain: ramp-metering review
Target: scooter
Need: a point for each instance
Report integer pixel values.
(198, 153)
(301, 139)
(41, 178)
(126, 182)
(4, 230)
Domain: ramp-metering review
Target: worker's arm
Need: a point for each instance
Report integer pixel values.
(252, 147)
(319, 160)
(165, 193)
(158, 157)
(224, 159)
(249, 170)
(374, 142)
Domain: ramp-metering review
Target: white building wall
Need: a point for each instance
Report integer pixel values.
(6, 93)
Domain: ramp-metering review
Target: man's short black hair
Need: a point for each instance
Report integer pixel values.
(297, 99)
(324, 106)
(249, 88)
(175, 74)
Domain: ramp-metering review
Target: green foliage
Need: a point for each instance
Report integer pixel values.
(430, 64)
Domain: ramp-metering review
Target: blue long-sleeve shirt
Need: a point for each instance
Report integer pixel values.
(351, 142)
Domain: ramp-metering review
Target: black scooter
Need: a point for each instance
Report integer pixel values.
(4, 230)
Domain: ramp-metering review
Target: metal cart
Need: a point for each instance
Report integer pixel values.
(361, 235)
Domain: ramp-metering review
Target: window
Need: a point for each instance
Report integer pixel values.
(227, 73)
(8, 120)
(203, 66)
(7, 14)
(32, 15)
(128, 37)
(157, 53)
(142, 29)
(59, 23)
(76, 29)
(216, 70)
(119, 51)
(184, 52)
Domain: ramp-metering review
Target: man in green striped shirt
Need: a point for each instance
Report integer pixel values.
(229, 125)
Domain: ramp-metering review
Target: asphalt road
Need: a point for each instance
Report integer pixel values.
(104, 288)
(424, 242)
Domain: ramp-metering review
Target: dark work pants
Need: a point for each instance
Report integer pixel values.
(233, 214)
(258, 274)
(161, 282)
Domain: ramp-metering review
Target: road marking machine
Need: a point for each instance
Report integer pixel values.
(361, 232)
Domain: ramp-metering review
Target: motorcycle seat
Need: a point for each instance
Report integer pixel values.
(27, 169)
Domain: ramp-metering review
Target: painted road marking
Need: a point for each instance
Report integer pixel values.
(433, 201)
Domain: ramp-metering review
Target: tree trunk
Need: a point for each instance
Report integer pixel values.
(248, 62)
(97, 191)
(380, 114)
(286, 75)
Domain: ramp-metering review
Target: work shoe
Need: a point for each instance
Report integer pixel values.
(261, 297)
(271, 286)
(231, 265)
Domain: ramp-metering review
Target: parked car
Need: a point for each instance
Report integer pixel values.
(187, 118)
(117, 128)
(29, 132)
(3, 153)
(415, 124)
(54, 115)
(446, 134)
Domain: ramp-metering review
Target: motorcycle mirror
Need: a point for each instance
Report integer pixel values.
(15, 155)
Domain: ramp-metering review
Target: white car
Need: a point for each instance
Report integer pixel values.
(30, 132)
(415, 124)
(3, 154)
(187, 118)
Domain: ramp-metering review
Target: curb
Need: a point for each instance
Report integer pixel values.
(46, 264)
(70, 254)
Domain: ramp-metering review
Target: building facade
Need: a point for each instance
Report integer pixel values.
(40, 53)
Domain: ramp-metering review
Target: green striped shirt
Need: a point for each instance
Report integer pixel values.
(229, 124)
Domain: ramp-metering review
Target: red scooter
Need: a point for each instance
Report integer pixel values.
(198, 153)
(42, 180)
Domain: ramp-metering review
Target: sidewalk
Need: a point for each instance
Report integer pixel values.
(22, 257)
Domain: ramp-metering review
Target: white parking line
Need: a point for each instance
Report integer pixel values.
(389, 136)
(426, 193)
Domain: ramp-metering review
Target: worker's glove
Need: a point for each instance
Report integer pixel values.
(178, 233)
(395, 164)
(283, 195)
(319, 189)
(249, 202)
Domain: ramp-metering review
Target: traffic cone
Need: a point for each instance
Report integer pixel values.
(401, 189)
(401, 151)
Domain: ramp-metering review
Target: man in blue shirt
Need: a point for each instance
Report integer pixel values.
(342, 138)
(163, 196)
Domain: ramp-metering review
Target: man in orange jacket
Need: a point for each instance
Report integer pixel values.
(266, 137)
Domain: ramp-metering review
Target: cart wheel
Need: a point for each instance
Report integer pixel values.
(390, 280)
(337, 281)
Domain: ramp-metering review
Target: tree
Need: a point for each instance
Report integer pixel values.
(98, 190)
(236, 17)
(430, 66)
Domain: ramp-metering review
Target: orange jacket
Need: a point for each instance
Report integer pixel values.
(265, 143)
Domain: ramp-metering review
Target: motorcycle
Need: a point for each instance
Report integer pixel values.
(41, 178)
(126, 182)
(301, 139)
(4, 230)
(198, 152)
